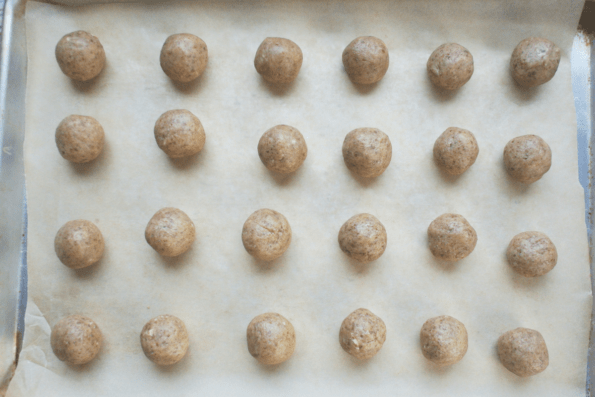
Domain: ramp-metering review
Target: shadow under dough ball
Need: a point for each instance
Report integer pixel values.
(527, 158)
(278, 60)
(367, 152)
(266, 234)
(443, 340)
(365, 60)
(164, 339)
(79, 138)
(271, 338)
(80, 55)
(76, 339)
(170, 232)
(184, 57)
(450, 66)
(179, 133)
(534, 61)
(79, 244)
(363, 238)
(531, 254)
(362, 334)
(451, 237)
(523, 352)
(282, 149)
(455, 150)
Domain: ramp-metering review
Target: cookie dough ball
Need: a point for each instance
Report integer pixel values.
(278, 60)
(451, 237)
(271, 338)
(80, 55)
(170, 232)
(266, 234)
(76, 339)
(365, 60)
(79, 138)
(282, 149)
(367, 152)
(455, 150)
(531, 254)
(363, 238)
(450, 66)
(184, 57)
(362, 334)
(443, 340)
(523, 352)
(79, 244)
(527, 158)
(534, 61)
(179, 133)
(164, 340)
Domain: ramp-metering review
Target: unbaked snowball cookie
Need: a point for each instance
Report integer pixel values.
(531, 254)
(523, 352)
(76, 339)
(363, 238)
(451, 237)
(271, 338)
(527, 158)
(80, 55)
(443, 340)
(184, 57)
(534, 61)
(278, 60)
(170, 232)
(450, 66)
(282, 149)
(367, 152)
(365, 60)
(455, 150)
(362, 334)
(164, 339)
(179, 133)
(79, 244)
(79, 138)
(266, 234)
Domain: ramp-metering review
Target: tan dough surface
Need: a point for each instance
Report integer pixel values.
(444, 340)
(164, 339)
(271, 338)
(76, 339)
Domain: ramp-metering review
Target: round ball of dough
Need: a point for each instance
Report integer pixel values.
(179, 133)
(362, 334)
(523, 352)
(455, 150)
(366, 60)
(450, 66)
(532, 254)
(278, 60)
(80, 55)
(534, 61)
(527, 158)
(79, 138)
(443, 340)
(367, 152)
(451, 237)
(79, 244)
(184, 57)
(164, 339)
(363, 238)
(170, 232)
(271, 338)
(76, 339)
(282, 149)
(266, 234)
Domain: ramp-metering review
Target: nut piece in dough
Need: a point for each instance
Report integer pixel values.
(443, 340)
(523, 352)
(365, 60)
(451, 237)
(450, 66)
(79, 244)
(170, 232)
(363, 238)
(527, 158)
(455, 150)
(179, 133)
(531, 254)
(266, 234)
(164, 339)
(184, 57)
(534, 61)
(367, 152)
(362, 334)
(282, 149)
(278, 60)
(79, 138)
(80, 55)
(76, 339)
(271, 338)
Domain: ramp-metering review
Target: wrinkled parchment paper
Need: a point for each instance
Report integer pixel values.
(217, 288)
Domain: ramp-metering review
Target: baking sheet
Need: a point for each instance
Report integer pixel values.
(217, 288)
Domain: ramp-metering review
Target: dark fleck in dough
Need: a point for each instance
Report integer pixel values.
(282, 149)
(363, 238)
(455, 150)
(451, 237)
(527, 158)
(271, 338)
(164, 339)
(79, 138)
(450, 66)
(80, 55)
(443, 340)
(278, 60)
(523, 352)
(170, 232)
(76, 339)
(532, 254)
(179, 133)
(79, 244)
(365, 60)
(534, 61)
(184, 57)
(362, 334)
(266, 234)
(367, 152)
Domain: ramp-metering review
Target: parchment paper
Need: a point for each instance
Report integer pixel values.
(217, 288)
